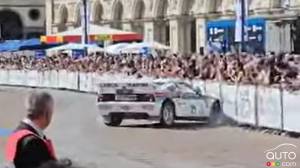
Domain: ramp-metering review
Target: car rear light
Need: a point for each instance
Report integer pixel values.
(160, 94)
(106, 97)
(146, 98)
(151, 97)
(137, 97)
(100, 98)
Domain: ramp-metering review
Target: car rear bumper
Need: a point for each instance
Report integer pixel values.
(134, 110)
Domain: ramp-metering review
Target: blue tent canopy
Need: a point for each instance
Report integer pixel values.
(30, 44)
(9, 45)
(35, 44)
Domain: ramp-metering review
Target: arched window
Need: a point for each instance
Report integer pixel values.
(162, 27)
(77, 16)
(161, 8)
(117, 14)
(63, 15)
(97, 13)
(62, 18)
(139, 10)
(11, 26)
(187, 6)
(138, 14)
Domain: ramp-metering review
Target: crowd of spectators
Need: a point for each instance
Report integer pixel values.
(270, 69)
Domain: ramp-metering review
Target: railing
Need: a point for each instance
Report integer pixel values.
(247, 104)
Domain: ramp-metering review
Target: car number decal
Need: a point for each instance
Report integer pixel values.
(193, 109)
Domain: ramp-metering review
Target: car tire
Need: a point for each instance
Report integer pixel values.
(167, 117)
(215, 117)
(113, 121)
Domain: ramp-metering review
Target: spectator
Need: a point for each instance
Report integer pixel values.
(245, 68)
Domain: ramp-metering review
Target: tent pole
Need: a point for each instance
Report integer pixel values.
(85, 25)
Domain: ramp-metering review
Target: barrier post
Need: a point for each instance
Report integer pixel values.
(281, 106)
(204, 87)
(42, 83)
(236, 100)
(8, 76)
(78, 80)
(256, 106)
(57, 78)
(221, 94)
(220, 91)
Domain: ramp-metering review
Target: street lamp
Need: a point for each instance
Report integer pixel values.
(243, 24)
(240, 27)
(84, 23)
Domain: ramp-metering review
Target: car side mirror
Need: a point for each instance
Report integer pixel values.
(198, 91)
(172, 88)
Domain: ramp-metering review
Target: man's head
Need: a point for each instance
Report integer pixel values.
(40, 108)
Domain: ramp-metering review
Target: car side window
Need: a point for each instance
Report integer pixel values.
(190, 96)
(171, 87)
(187, 91)
(185, 88)
(167, 86)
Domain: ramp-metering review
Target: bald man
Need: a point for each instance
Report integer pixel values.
(28, 146)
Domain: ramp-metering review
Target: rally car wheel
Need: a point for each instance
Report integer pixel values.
(113, 121)
(167, 114)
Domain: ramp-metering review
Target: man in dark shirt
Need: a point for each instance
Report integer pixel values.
(28, 147)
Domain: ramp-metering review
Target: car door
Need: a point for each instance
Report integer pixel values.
(201, 105)
(174, 94)
(190, 103)
(195, 105)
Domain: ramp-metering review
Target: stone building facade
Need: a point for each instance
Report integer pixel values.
(182, 24)
(22, 19)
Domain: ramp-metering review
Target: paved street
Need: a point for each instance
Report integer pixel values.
(79, 134)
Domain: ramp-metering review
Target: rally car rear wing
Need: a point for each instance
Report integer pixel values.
(125, 88)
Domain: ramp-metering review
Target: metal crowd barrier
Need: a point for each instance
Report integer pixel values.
(247, 104)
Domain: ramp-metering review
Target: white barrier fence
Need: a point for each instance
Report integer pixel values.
(247, 104)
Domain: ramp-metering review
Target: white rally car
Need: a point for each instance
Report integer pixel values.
(161, 100)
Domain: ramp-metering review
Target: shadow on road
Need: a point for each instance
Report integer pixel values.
(176, 126)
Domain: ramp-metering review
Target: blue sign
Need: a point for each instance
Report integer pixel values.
(222, 33)
(77, 54)
(146, 51)
(40, 54)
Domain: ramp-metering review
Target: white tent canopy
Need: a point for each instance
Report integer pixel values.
(93, 30)
(116, 49)
(140, 47)
(75, 46)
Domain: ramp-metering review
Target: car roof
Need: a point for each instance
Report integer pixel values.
(167, 81)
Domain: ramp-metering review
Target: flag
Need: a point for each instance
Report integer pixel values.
(242, 13)
(85, 20)
(238, 21)
(246, 10)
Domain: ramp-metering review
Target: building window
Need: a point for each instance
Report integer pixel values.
(285, 3)
(34, 14)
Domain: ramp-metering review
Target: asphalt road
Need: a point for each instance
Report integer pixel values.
(78, 133)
